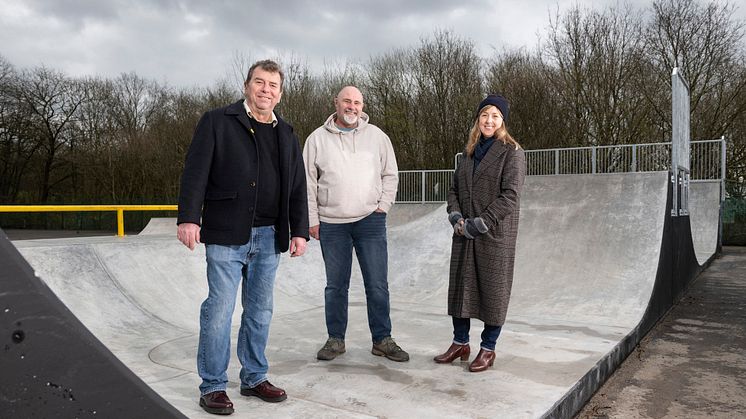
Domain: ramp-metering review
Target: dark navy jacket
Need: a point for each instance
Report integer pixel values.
(218, 185)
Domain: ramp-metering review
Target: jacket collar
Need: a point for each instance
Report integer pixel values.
(237, 109)
(495, 151)
(251, 115)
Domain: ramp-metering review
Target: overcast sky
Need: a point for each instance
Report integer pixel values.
(194, 42)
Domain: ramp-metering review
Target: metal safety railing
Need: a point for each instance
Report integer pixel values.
(431, 186)
(423, 186)
(120, 209)
(707, 159)
(707, 164)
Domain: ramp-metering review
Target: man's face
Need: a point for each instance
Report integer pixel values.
(349, 105)
(263, 91)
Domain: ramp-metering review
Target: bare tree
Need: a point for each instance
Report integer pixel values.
(390, 92)
(96, 151)
(239, 69)
(537, 118)
(134, 102)
(705, 41)
(303, 104)
(51, 101)
(593, 61)
(448, 86)
(221, 93)
(16, 148)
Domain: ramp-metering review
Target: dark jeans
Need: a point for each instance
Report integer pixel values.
(461, 333)
(368, 237)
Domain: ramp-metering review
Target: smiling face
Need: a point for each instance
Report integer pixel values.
(349, 106)
(263, 92)
(490, 120)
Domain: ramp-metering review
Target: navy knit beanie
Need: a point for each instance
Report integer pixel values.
(497, 101)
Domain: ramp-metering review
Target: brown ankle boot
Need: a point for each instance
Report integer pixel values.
(452, 353)
(484, 360)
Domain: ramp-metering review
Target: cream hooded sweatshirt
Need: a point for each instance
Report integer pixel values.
(349, 173)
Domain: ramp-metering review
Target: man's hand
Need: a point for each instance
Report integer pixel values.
(314, 231)
(380, 210)
(188, 233)
(297, 246)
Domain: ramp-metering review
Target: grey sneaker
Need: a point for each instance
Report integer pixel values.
(332, 348)
(388, 348)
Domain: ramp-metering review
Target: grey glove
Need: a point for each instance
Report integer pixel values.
(454, 216)
(474, 227)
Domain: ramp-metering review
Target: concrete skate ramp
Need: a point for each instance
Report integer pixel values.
(399, 214)
(588, 256)
(159, 227)
(704, 214)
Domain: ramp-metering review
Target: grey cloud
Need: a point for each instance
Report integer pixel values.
(75, 12)
(194, 41)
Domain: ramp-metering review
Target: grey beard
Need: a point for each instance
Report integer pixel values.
(349, 119)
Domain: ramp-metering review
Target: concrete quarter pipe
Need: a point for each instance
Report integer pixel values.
(597, 256)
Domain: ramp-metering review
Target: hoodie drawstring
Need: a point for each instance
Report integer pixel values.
(354, 141)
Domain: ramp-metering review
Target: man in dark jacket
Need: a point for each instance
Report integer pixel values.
(243, 194)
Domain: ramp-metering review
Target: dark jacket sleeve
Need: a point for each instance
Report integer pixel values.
(196, 172)
(298, 194)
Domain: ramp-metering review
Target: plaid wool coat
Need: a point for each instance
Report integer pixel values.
(481, 270)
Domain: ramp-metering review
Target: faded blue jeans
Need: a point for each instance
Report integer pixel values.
(252, 266)
(368, 238)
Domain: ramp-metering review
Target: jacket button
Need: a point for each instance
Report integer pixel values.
(252, 184)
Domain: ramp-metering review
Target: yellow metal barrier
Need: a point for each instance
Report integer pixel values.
(120, 209)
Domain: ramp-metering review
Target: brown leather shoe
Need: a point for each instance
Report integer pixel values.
(455, 351)
(484, 360)
(266, 391)
(216, 403)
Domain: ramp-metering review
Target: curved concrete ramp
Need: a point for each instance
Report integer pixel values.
(588, 249)
(704, 215)
(587, 262)
(159, 227)
(399, 214)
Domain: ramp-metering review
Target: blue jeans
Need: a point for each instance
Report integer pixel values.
(461, 333)
(253, 266)
(368, 237)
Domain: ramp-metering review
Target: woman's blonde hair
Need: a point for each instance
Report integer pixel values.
(501, 134)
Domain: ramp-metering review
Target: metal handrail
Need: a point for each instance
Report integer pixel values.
(90, 208)
(636, 157)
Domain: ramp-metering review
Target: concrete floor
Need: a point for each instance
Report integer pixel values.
(586, 264)
(693, 363)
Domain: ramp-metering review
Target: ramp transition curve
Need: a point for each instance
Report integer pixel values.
(599, 260)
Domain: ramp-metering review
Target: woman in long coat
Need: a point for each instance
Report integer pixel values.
(483, 207)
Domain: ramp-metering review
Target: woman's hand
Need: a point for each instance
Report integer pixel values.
(458, 227)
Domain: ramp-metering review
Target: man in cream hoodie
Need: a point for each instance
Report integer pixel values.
(352, 179)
